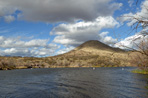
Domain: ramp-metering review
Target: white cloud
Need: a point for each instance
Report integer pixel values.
(45, 51)
(140, 15)
(131, 41)
(103, 34)
(130, 2)
(16, 52)
(36, 43)
(109, 40)
(131, 19)
(77, 33)
(9, 18)
(103, 37)
(34, 47)
(67, 49)
(58, 10)
(16, 42)
(126, 17)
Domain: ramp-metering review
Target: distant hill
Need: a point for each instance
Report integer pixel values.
(97, 45)
(93, 47)
(93, 53)
(89, 54)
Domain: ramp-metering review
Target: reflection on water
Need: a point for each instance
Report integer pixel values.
(73, 83)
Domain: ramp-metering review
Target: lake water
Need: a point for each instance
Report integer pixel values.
(73, 83)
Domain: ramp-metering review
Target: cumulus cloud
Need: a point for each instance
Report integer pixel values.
(132, 18)
(66, 49)
(34, 47)
(16, 42)
(77, 33)
(9, 18)
(59, 10)
(131, 42)
(107, 39)
(16, 52)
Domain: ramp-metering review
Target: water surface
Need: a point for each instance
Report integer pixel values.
(73, 83)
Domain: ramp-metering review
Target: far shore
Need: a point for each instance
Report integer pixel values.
(21, 67)
(139, 71)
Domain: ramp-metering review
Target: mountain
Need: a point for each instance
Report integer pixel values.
(93, 47)
(97, 45)
(90, 54)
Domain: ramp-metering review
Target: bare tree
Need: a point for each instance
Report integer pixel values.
(140, 22)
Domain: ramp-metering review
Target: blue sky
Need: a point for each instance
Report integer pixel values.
(50, 27)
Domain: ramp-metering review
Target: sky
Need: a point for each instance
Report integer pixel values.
(41, 28)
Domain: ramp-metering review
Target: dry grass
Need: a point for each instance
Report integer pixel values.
(84, 56)
(139, 60)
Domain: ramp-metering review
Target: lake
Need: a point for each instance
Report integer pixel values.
(73, 83)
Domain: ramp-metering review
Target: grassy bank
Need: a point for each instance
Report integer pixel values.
(140, 71)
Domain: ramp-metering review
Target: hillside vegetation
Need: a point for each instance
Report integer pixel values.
(89, 54)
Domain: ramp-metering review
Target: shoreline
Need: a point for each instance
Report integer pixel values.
(64, 67)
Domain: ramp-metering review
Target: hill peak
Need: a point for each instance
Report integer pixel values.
(97, 45)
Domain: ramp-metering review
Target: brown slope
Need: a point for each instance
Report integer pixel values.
(92, 53)
(93, 47)
(97, 45)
